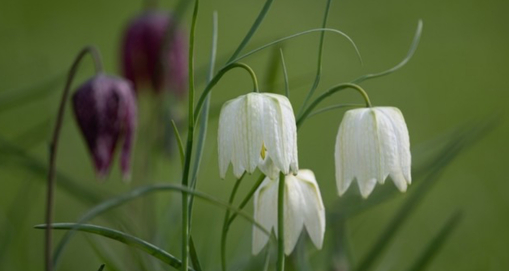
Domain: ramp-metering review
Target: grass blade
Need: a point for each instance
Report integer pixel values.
(436, 244)
(251, 32)
(405, 60)
(193, 255)
(127, 239)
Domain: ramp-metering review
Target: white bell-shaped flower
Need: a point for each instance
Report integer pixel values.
(303, 207)
(372, 143)
(254, 129)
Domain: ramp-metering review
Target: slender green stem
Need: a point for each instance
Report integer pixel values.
(200, 145)
(218, 77)
(253, 29)
(329, 92)
(280, 224)
(225, 222)
(285, 74)
(54, 147)
(248, 197)
(319, 62)
(189, 147)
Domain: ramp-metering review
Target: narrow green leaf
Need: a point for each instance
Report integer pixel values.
(285, 74)
(101, 267)
(318, 75)
(143, 191)
(334, 107)
(127, 239)
(193, 255)
(252, 31)
(405, 60)
(436, 244)
(271, 72)
(179, 142)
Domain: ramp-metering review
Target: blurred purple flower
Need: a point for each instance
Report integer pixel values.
(106, 111)
(142, 56)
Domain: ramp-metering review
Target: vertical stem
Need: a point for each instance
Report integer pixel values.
(53, 147)
(189, 146)
(280, 224)
(225, 223)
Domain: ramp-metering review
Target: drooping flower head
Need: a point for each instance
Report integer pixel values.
(303, 207)
(256, 129)
(372, 143)
(105, 108)
(142, 50)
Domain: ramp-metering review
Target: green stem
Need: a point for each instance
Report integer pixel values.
(328, 93)
(248, 197)
(218, 77)
(280, 224)
(225, 223)
(319, 63)
(53, 147)
(189, 147)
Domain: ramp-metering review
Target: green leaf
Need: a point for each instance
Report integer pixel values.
(405, 60)
(193, 255)
(252, 31)
(436, 244)
(127, 239)
(143, 191)
(101, 267)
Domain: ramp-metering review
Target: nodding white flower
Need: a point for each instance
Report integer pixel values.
(256, 129)
(371, 144)
(303, 206)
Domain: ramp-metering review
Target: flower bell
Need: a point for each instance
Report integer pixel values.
(142, 50)
(372, 143)
(303, 207)
(256, 129)
(105, 108)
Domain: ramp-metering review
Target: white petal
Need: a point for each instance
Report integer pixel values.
(224, 138)
(342, 154)
(254, 124)
(293, 212)
(265, 212)
(314, 211)
(395, 138)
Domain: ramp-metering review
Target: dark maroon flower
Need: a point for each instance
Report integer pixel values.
(142, 56)
(105, 108)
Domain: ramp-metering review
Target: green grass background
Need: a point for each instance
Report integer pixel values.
(458, 74)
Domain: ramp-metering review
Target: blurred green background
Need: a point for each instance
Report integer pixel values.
(457, 75)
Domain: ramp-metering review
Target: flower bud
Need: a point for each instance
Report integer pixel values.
(143, 60)
(105, 108)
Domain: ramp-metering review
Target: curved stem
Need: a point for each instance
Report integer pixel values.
(225, 222)
(329, 92)
(280, 224)
(189, 145)
(54, 147)
(218, 77)
(297, 35)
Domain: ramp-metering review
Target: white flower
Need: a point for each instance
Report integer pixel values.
(255, 129)
(303, 206)
(371, 144)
